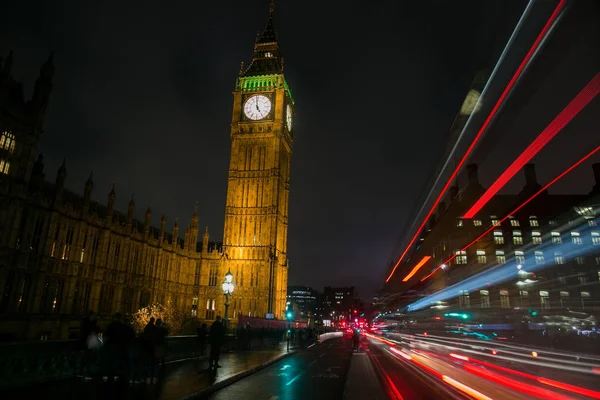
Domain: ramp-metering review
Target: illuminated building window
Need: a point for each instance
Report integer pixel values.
(576, 238)
(477, 222)
(485, 298)
(539, 257)
(556, 239)
(597, 260)
(533, 221)
(495, 220)
(599, 275)
(585, 294)
(519, 257)
(504, 299)
(7, 142)
(562, 280)
(580, 260)
(583, 280)
(461, 256)
(195, 306)
(464, 301)
(524, 298)
(552, 223)
(459, 222)
(210, 308)
(481, 258)
(544, 299)
(585, 211)
(268, 54)
(500, 257)
(564, 294)
(498, 238)
(517, 238)
(564, 298)
(514, 222)
(558, 258)
(4, 167)
(592, 222)
(595, 238)
(536, 237)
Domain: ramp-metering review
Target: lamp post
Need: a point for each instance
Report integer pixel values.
(228, 287)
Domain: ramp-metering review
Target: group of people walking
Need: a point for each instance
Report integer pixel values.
(119, 352)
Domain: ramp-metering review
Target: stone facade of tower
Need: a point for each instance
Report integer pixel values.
(256, 216)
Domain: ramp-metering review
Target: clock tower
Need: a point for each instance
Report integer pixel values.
(256, 214)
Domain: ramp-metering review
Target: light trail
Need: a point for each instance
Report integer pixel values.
(416, 268)
(494, 226)
(485, 125)
(579, 102)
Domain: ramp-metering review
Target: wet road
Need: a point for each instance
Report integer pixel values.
(316, 373)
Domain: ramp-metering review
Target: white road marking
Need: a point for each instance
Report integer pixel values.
(293, 379)
(312, 363)
(322, 354)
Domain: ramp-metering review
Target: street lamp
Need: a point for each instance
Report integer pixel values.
(228, 287)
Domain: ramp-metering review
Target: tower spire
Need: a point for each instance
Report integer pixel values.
(271, 6)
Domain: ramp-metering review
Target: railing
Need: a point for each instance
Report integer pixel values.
(26, 363)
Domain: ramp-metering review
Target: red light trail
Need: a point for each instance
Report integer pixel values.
(578, 103)
(481, 131)
(491, 228)
(416, 268)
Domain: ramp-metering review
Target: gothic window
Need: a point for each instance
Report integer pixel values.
(116, 255)
(68, 242)
(7, 142)
(106, 298)
(127, 300)
(95, 243)
(195, 306)
(21, 294)
(197, 274)
(544, 299)
(4, 167)
(144, 298)
(210, 309)
(212, 279)
(37, 234)
(464, 300)
(485, 298)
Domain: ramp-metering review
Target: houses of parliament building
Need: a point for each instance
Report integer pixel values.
(63, 254)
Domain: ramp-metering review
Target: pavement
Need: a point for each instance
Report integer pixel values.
(180, 380)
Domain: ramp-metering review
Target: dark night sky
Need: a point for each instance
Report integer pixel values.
(142, 97)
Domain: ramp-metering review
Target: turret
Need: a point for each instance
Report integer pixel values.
(43, 88)
(191, 233)
(175, 232)
(130, 210)
(147, 221)
(37, 174)
(205, 237)
(61, 176)
(163, 222)
(87, 193)
(531, 184)
(110, 204)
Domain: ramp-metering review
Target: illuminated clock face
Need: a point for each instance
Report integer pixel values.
(257, 107)
(288, 117)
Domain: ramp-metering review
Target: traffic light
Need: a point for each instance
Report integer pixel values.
(289, 315)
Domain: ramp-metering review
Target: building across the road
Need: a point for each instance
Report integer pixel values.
(550, 247)
(340, 304)
(304, 299)
(63, 254)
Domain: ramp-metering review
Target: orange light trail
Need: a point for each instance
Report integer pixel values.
(552, 182)
(481, 131)
(464, 388)
(416, 268)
